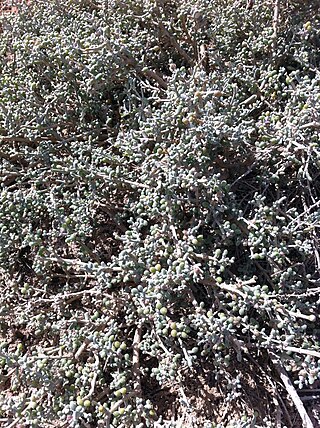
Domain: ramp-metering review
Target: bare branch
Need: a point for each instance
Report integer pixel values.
(292, 392)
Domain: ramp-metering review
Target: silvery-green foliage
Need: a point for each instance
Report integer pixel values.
(160, 197)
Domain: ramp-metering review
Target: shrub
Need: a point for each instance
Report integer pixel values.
(159, 208)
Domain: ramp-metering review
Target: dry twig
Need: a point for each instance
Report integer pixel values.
(135, 360)
(292, 392)
(275, 24)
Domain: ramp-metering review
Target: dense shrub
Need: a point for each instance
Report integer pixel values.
(159, 218)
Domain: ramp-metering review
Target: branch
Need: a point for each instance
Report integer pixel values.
(310, 125)
(302, 351)
(275, 24)
(175, 44)
(226, 287)
(135, 360)
(94, 379)
(292, 392)
(130, 61)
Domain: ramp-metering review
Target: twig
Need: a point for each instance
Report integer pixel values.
(175, 44)
(122, 181)
(249, 100)
(118, 403)
(73, 296)
(94, 379)
(153, 75)
(302, 351)
(307, 210)
(191, 41)
(81, 349)
(203, 58)
(250, 4)
(292, 392)
(14, 423)
(310, 125)
(274, 387)
(50, 357)
(185, 353)
(14, 139)
(225, 287)
(293, 314)
(135, 360)
(131, 62)
(163, 347)
(275, 24)
(185, 398)
(115, 407)
(76, 263)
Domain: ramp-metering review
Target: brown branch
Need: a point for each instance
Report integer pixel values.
(153, 75)
(191, 41)
(176, 45)
(131, 62)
